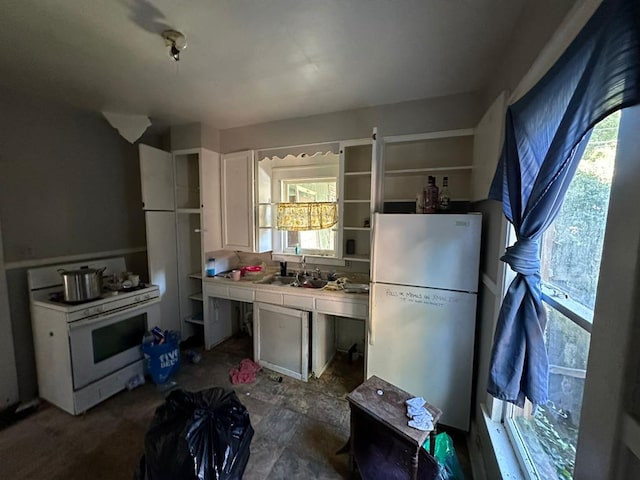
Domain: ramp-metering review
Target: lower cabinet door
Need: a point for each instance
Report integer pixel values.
(281, 339)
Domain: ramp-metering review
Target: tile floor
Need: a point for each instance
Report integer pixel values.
(298, 426)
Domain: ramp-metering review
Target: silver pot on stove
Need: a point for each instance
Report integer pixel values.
(82, 284)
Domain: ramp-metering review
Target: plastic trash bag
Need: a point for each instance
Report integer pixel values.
(197, 436)
(449, 466)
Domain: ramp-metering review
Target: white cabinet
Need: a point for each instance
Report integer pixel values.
(182, 203)
(219, 324)
(246, 203)
(163, 265)
(238, 217)
(156, 173)
(281, 339)
(355, 199)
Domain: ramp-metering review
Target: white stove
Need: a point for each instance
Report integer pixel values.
(86, 352)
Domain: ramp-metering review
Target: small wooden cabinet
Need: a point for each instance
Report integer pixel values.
(382, 445)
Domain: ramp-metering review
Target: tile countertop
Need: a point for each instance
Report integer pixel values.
(253, 282)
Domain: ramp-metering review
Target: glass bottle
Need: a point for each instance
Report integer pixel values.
(431, 196)
(444, 202)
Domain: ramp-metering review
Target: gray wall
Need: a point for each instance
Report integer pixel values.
(69, 185)
(537, 23)
(443, 113)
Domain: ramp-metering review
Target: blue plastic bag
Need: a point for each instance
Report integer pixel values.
(162, 360)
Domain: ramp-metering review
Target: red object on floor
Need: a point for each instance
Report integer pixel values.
(246, 373)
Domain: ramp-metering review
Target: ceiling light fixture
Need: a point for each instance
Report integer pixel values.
(176, 41)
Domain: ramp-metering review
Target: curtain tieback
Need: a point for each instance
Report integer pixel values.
(523, 257)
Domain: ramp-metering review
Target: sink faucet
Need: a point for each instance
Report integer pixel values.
(304, 266)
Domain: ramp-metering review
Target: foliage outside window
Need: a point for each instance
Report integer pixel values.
(314, 242)
(571, 251)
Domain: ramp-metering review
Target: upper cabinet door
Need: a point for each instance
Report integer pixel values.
(377, 173)
(156, 174)
(238, 216)
(210, 199)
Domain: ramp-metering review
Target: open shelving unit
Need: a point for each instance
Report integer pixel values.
(355, 195)
(408, 161)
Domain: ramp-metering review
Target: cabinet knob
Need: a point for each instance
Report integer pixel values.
(196, 230)
(142, 204)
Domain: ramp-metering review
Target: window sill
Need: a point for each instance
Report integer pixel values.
(504, 456)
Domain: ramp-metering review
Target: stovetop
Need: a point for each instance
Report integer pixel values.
(58, 296)
(53, 298)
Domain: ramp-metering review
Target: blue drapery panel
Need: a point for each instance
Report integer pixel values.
(546, 132)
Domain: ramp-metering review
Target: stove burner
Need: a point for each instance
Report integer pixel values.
(58, 297)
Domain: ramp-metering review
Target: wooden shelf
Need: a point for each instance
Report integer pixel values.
(196, 275)
(356, 174)
(419, 171)
(365, 229)
(356, 201)
(356, 258)
(196, 296)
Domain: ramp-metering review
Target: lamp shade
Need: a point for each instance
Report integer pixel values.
(296, 217)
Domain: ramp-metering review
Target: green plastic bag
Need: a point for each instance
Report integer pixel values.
(450, 468)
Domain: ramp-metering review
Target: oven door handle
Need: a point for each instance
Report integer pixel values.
(111, 314)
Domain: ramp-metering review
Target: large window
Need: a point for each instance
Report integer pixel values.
(571, 251)
(313, 242)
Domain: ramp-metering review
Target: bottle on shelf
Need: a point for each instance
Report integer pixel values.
(419, 202)
(211, 267)
(444, 203)
(431, 195)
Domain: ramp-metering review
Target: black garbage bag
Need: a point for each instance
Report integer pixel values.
(197, 436)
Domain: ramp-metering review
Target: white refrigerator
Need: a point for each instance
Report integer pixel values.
(423, 295)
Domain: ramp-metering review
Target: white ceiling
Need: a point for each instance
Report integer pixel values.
(251, 61)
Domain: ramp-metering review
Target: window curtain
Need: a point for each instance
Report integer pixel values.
(304, 216)
(546, 132)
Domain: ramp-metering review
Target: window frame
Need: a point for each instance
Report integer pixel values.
(581, 316)
(281, 176)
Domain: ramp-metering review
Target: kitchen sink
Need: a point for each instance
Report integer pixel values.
(294, 281)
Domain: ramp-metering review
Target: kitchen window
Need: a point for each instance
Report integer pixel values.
(571, 249)
(312, 242)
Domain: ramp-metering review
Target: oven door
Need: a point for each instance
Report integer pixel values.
(106, 343)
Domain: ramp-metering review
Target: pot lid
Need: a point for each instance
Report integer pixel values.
(81, 271)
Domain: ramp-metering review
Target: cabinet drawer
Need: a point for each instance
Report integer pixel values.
(242, 294)
(269, 297)
(298, 301)
(342, 309)
(220, 291)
